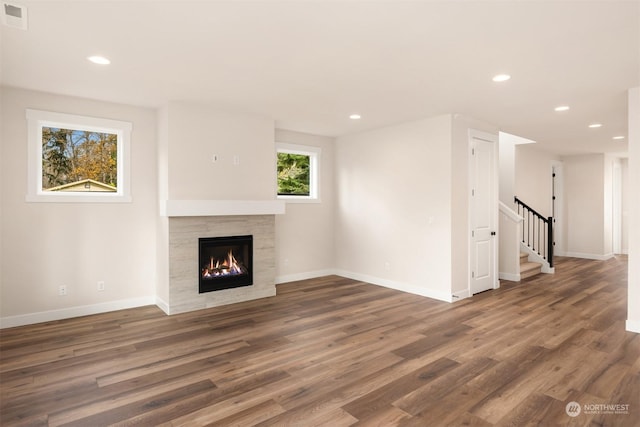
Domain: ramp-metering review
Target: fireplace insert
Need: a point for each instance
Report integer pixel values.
(225, 262)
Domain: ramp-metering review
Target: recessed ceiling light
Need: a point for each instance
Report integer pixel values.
(100, 60)
(562, 108)
(501, 78)
(617, 138)
(355, 117)
(595, 125)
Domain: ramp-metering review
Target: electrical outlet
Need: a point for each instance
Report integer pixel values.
(62, 290)
(101, 285)
(236, 160)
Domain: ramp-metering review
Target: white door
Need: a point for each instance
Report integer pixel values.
(483, 212)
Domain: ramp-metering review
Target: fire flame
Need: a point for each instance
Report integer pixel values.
(222, 267)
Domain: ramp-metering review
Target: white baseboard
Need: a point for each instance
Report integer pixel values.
(536, 257)
(509, 276)
(633, 326)
(404, 287)
(460, 295)
(85, 310)
(163, 305)
(66, 313)
(596, 257)
(304, 276)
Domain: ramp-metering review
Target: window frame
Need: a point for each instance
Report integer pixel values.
(37, 119)
(314, 172)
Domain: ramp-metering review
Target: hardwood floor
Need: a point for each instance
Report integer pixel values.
(337, 352)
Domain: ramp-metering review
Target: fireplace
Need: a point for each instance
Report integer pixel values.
(225, 263)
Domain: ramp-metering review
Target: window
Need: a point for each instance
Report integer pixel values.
(77, 159)
(298, 167)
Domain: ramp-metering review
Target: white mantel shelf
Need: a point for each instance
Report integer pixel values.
(180, 208)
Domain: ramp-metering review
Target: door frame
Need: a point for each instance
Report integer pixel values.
(557, 207)
(493, 138)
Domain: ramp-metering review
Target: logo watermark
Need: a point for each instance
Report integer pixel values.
(573, 409)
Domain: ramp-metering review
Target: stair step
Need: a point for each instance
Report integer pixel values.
(529, 269)
(523, 257)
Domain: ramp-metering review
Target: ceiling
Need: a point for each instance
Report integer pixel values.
(310, 64)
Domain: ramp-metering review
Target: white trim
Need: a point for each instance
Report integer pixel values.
(404, 287)
(533, 256)
(633, 326)
(37, 119)
(460, 295)
(66, 313)
(304, 276)
(510, 277)
(286, 147)
(163, 305)
(557, 167)
(510, 213)
(299, 199)
(176, 208)
(589, 256)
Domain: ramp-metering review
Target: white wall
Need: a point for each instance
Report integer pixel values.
(196, 133)
(162, 224)
(533, 178)
(402, 205)
(2, 138)
(509, 251)
(393, 195)
(607, 206)
(585, 226)
(305, 233)
(633, 301)
(586, 180)
(509, 227)
(45, 245)
(507, 164)
(626, 194)
(619, 206)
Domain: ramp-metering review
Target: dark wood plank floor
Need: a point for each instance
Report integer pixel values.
(338, 352)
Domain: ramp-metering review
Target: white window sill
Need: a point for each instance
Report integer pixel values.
(299, 199)
(79, 198)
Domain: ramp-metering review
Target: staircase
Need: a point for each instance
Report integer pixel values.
(526, 242)
(537, 239)
(528, 268)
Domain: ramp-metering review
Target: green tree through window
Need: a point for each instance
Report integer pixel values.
(294, 174)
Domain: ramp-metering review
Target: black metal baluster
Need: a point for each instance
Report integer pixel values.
(543, 235)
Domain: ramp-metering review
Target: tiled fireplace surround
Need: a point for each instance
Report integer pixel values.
(188, 221)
